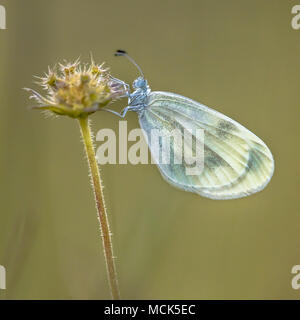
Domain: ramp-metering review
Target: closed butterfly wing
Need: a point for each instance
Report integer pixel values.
(236, 162)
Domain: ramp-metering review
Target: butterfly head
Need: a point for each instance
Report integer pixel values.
(140, 83)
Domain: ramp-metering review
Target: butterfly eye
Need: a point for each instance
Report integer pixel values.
(139, 83)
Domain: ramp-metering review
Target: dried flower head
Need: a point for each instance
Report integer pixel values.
(77, 90)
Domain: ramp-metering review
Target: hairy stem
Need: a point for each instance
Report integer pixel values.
(101, 210)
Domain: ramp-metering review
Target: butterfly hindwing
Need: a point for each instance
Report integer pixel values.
(236, 162)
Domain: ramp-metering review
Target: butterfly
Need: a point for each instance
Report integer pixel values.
(236, 163)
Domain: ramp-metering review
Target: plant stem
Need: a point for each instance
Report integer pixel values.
(101, 210)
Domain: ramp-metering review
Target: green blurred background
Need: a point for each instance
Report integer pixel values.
(240, 57)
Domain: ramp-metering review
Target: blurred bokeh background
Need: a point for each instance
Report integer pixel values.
(240, 57)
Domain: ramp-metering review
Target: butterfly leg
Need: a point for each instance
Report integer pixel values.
(123, 113)
(124, 84)
(119, 114)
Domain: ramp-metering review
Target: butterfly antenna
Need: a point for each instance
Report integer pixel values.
(123, 53)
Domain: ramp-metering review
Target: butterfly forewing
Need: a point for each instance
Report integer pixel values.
(236, 162)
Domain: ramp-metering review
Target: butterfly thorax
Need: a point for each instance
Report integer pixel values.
(138, 98)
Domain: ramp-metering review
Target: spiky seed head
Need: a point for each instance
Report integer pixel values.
(77, 90)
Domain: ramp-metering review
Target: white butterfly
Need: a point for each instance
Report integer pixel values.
(236, 162)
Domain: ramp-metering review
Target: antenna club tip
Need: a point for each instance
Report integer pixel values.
(120, 53)
(126, 55)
